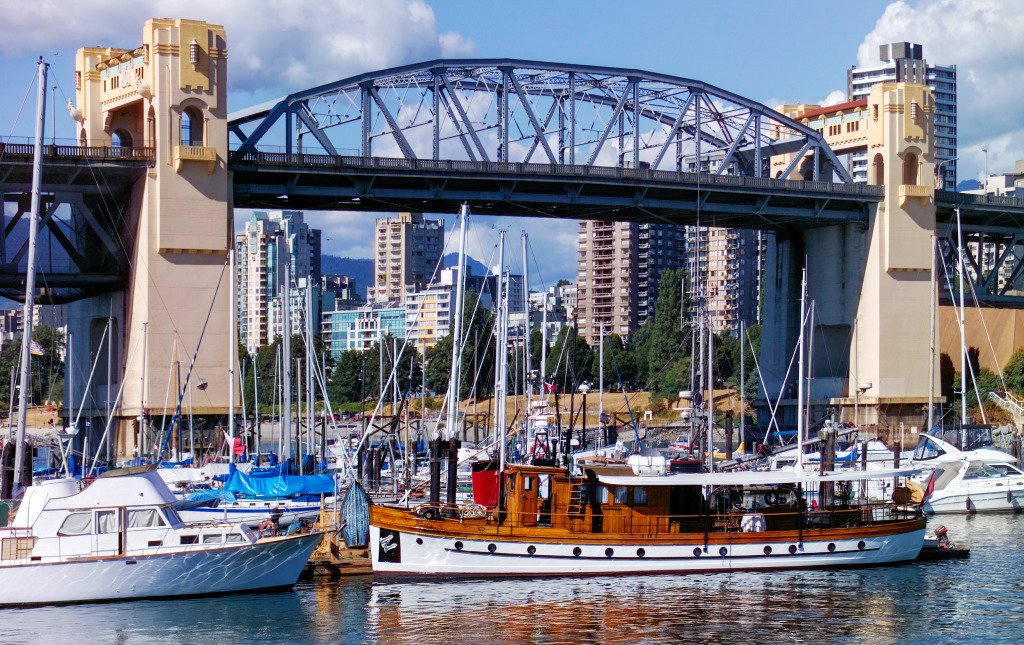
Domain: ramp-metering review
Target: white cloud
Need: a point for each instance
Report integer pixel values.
(985, 40)
(835, 97)
(272, 46)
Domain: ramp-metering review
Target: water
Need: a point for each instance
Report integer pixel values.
(942, 602)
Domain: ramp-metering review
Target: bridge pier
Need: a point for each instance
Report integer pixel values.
(871, 285)
(169, 94)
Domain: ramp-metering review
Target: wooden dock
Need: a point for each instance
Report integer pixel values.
(333, 558)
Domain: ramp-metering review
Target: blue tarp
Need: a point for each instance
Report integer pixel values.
(223, 495)
(282, 486)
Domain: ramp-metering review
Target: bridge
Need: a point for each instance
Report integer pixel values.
(508, 136)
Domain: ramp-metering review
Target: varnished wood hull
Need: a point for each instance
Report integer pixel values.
(402, 543)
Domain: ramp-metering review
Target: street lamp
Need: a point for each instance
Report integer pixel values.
(940, 179)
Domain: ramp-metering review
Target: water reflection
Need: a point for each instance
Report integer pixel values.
(955, 601)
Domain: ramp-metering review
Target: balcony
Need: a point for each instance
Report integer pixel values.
(205, 154)
(923, 193)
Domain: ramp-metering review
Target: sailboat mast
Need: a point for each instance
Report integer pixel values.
(527, 385)
(800, 376)
(501, 356)
(931, 346)
(30, 278)
(960, 318)
(232, 355)
(286, 346)
(455, 379)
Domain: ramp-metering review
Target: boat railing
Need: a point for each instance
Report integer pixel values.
(622, 521)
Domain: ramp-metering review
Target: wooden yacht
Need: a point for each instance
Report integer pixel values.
(548, 522)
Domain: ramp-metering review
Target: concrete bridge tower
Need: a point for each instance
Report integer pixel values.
(168, 94)
(871, 285)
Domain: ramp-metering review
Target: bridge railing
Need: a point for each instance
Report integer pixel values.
(75, 153)
(968, 199)
(292, 160)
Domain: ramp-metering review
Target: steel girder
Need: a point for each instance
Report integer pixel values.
(84, 236)
(992, 232)
(506, 110)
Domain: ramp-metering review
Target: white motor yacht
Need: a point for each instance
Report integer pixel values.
(974, 487)
(121, 538)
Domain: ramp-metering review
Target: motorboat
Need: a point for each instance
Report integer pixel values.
(549, 522)
(120, 538)
(280, 499)
(959, 443)
(974, 487)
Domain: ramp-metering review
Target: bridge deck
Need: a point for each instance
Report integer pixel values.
(337, 182)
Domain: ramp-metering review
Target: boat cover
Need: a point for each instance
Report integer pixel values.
(280, 486)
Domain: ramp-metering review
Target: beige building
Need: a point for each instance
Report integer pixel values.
(168, 95)
(407, 252)
(606, 279)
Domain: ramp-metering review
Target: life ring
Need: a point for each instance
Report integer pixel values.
(772, 498)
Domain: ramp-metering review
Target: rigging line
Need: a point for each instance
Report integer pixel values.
(188, 375)
(636, 430)
(28, 92)
(988, 337)
(110, 419)
(970, 364)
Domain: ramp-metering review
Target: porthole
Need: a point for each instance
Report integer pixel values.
(609, 552)
(531, 549)
(458, 546)
(419, 540)
(861, 545)
(792, 549)
(640, 553)
(577, 552)
(723, 551)
(696, 552)
(491, 548)
(831, 547)
(768, 550)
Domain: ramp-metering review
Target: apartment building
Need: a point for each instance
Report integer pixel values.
(407, 253)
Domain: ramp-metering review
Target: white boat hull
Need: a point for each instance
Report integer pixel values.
(994, 501)
(269, 563)
(407, 553)
(252, 513)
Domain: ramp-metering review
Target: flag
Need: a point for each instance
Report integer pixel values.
(550, 387)
(36, 349)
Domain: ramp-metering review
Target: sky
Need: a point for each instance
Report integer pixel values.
(772, 52)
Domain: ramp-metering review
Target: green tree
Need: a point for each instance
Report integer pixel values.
(570, 360)
(46, 370)
(346, 383)
(477, 353)
(616, 354)
(1013, 373)
(666, 350)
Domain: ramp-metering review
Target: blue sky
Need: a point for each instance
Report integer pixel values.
(772, 52)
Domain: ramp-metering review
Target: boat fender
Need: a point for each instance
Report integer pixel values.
(771, 498)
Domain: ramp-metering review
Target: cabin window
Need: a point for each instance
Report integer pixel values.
(639, 496)
(140, 518)
(602, 494)
(234, 537)
(76, 524)
(107, 522)
(172, 515)
(189, 539)
(621, 495)
(527, 484)
(213, 538)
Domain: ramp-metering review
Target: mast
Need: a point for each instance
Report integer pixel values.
(960, 319)
(931, 346)
(311, 365)
(142, 379)
(600, 371)
(743, 374)
(232, 355)
(711, 394)
(527, 385)
(455, 379)
(286, 347)
(501, 356)
(30, 278)
(800, 376)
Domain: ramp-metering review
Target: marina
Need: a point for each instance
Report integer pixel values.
(949, 601)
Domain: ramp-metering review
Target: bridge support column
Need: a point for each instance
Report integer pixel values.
(168, 94)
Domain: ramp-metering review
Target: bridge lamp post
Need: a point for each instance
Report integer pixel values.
(940, 179)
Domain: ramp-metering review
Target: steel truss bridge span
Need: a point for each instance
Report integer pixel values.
(507, 110)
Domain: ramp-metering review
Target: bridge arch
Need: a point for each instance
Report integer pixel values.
(509, 110)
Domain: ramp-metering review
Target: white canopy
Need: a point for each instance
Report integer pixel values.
(753, 478)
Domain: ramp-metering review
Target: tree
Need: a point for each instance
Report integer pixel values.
(346, 383)
(616, 355)
(570, 360)
(665, 347)
(477, 353)
(1014, 372)
(46, 370)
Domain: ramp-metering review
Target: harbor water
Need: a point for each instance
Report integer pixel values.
(955, 601)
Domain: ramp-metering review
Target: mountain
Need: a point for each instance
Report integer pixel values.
(475, 266)
(968, 184)
(359, 268)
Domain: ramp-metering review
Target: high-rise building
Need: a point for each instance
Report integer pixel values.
(407, 252)
(270, 240)
(619, 267)
(904, 62)
(727, 265)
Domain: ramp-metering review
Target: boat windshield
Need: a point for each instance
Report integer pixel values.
(927, 448)
(965, 437)
(982, 471)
